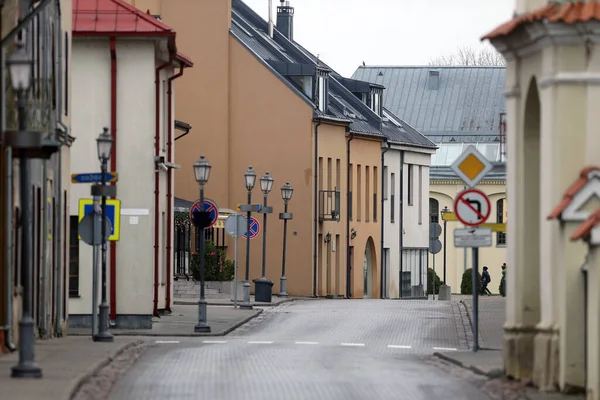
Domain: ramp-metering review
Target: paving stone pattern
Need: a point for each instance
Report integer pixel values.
(491, 320)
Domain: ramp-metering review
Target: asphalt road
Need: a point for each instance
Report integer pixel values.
(310, 350)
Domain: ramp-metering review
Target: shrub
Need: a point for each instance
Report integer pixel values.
(216, 265)
(430, 278)
(466, 285)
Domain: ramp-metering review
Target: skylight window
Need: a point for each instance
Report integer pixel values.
(447, 153)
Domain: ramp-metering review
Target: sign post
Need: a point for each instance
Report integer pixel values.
(235, 226)
(435, 246)
(472, 208)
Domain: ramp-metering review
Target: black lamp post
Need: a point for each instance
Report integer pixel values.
(266, 183)
(286, 193)
(444, 212)
(19, 66)
(250, 180)
(105, 143)
(202, 172)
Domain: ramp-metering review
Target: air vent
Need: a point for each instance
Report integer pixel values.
(434, 80)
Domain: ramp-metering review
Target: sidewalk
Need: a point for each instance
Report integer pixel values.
(65, 362)
(222, 320)
(224, 299)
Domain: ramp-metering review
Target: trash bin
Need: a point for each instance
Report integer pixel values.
(263, 289)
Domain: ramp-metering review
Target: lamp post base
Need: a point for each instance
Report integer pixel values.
(282, 287)
(246, 303)
(202, 326)
(103, 334)
(26, 368)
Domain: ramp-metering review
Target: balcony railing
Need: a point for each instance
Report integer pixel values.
(329, 205)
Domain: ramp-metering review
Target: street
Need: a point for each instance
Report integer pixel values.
(311, 349)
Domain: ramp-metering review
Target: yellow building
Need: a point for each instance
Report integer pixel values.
(454, 107)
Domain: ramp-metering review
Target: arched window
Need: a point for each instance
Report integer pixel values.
(434, 210)
(501, 219)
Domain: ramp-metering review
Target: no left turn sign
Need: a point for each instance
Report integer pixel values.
(472, 207)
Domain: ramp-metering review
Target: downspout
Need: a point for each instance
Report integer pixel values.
(381, 254)
(316, 205)
(113, 166)
(401, 247)
(157, 182)
(348, 213)
(169, 182)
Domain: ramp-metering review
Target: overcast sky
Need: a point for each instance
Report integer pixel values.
(389, 32)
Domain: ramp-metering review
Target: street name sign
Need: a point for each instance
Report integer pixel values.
(96, 177)
(472, 207)
(473, 237)
(471, 166)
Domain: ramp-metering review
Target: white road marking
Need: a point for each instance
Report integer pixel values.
(307, 342)
(445, 348)
(353, 344)
(260, 342)
(214, 341)
(398, 346)
(167, 341)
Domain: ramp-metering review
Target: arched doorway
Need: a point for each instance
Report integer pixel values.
(369, 270)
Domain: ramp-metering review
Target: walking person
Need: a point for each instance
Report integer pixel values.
(485, 281)
(503, 286)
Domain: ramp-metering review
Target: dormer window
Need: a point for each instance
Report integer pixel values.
(375, 101)
(305, 83)
(322, 84)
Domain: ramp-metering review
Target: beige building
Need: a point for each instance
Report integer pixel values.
(453, 106)
(552, 101)
(260, 99)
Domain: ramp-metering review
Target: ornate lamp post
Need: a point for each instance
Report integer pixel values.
(250, 179)
(286, 193)
(263, 286)
(104, 143)
(202, 172)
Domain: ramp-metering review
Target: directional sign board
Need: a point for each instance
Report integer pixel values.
(236, 225)
(113, 213)
(254, 228)
(473, 237)
(472, 207)
(210, 207)
(96, 177)
(471, 166)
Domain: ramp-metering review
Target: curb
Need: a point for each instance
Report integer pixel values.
(493, 374)
(195, 303)
(100, 365)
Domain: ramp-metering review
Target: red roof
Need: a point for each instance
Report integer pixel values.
(567, 13)
(572, 191)
(114, 18)
(584, 230)
(183, 59)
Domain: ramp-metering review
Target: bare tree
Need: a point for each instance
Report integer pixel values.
(469, 56)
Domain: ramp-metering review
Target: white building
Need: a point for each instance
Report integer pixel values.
(406, 163)
(123, 63)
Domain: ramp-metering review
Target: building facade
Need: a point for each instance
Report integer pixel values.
(45, 34)
(130, 69)
(454, 107)
(552, 138)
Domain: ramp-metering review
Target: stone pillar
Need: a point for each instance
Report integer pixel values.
(593, 323)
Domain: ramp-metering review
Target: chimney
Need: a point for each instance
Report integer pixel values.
(271, 18)
(434, 80)
(285, 19)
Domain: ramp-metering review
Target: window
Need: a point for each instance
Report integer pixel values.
(322, 93)
(74, 257)
(329, 174)
(447, 153)
(320, 177)
(338, 174)
(375, 179)
(410, 185)
(420, 194)
(434, 211)
(66, 83)
(350, 194)
(489, 150)
(367, 193)
(501, 219)
(376, 103)
(358, 193)
(305, 83)
(393, 198)
(385, 183)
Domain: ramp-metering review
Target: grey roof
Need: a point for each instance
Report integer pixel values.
(251, 30)
(446, 172)
(468, 100)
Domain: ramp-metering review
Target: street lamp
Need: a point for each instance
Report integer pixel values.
(202, 172)
(104, 143)
(19, 65)
(286, 194)
(445, 211)
(262, 286)
(250, 180)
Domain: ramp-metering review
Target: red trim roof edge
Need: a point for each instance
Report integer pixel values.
(584, 230)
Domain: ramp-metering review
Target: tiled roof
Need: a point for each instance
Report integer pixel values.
(250, 29)
(568, 13)
(468, 100)
(584, 230)
(572, 191)
(115, 17)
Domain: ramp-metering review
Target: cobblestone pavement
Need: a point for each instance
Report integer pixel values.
(491, 320)
(317, 349)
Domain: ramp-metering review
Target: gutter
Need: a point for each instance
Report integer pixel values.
(348, 211)
(169, 184)
(157, 180)
(382, 282)
(186, 128)
(113, 166)
(401, 244)
(316, 205)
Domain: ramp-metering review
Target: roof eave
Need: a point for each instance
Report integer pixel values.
(123, 34)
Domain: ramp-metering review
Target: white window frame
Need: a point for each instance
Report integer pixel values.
(322, 93)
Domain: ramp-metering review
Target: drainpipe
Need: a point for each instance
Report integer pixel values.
(157, 182)
(382, 252)
(44, 215)
(316, 205)
(401, 247)
(169, 183)
(113, 166)
(348, 211)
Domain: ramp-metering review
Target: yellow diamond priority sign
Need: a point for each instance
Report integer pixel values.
(471, 166)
